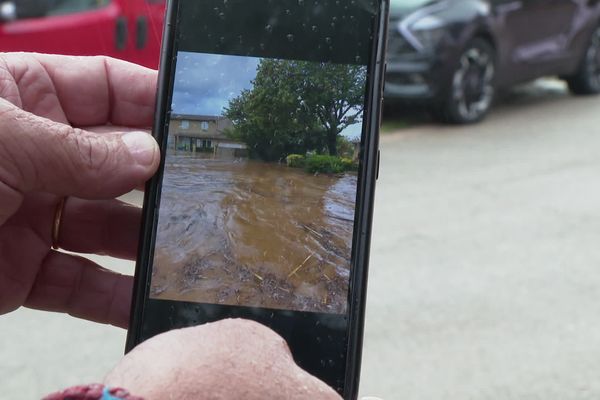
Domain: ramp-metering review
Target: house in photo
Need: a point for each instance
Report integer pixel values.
(203, 134)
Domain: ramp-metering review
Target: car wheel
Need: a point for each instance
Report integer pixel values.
(472, 89)
(587, 78)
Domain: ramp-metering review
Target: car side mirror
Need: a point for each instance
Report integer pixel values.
(22, 9)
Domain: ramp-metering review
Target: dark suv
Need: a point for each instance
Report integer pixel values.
(453, 55)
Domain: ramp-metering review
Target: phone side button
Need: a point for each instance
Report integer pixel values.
(377, 167)
(384, 77)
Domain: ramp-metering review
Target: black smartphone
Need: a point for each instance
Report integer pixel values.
(268, 116)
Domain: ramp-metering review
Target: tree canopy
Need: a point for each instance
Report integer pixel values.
(297, 106)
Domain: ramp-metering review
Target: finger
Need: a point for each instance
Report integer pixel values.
(84, 90)
(83, 289)
(106, 227)
(40, 155)
(108, 129)
(207, 358)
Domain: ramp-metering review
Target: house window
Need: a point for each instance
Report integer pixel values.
(184, 124)
(207, 144)
(204, 125)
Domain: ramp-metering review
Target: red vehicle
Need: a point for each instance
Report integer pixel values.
(127, 29)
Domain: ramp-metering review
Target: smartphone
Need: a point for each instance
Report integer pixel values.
(268, 115)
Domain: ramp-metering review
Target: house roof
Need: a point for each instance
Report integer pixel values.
(192, 117)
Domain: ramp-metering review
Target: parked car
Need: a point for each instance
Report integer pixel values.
(125, 29)
(454, 55)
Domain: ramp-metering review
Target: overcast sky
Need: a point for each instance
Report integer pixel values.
(204, 84)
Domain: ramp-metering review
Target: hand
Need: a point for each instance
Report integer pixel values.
(229, 359)
(49, 150)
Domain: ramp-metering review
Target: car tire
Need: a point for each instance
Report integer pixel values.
(586, 80)
(472, 88)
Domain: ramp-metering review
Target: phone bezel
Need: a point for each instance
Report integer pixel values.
(364, 206)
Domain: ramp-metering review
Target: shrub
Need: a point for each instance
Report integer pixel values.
(324, 164)
(349, 164)
(320, 163)
(295, 161)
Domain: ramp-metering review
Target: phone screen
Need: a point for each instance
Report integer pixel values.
(265, 123)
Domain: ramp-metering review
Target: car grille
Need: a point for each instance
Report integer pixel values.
(397, 44)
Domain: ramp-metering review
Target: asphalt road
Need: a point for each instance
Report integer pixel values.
(485, 270)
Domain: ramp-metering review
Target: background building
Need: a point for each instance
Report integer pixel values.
(203, 133)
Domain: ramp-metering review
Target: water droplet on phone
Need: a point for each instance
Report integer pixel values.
(314, 28)
(269, 28)
(290, 37)
(328, 40)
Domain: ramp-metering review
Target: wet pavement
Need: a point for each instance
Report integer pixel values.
(485, 267)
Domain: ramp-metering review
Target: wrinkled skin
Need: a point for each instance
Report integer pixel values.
(225, 360)
(48, 107)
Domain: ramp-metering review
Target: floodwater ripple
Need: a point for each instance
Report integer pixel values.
(253, 233)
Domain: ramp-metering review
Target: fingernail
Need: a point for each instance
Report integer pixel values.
(141, 146)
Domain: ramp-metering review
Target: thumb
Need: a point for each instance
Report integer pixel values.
(37, 154)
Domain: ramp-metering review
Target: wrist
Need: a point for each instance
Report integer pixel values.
(94, 391)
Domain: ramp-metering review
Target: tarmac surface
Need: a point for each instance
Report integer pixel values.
(485, 267)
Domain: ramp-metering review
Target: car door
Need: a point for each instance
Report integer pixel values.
(536, 34)
(127, 29)
(142, 22)
(73, 27)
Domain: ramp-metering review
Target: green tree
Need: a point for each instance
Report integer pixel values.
(334, 93)
(297, 106)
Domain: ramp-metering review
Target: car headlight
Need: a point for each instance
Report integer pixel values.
(428, 31)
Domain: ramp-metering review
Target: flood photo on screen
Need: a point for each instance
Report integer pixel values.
(259, 188)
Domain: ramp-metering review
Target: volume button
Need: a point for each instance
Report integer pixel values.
(384, 75)
(377, 166)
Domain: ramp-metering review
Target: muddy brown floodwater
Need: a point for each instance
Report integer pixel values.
(252, 233)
